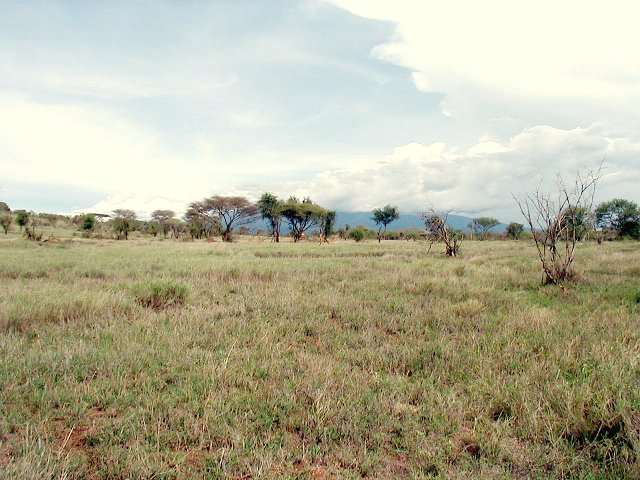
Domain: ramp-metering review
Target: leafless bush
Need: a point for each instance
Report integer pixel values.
(553, 219)
(438, 231)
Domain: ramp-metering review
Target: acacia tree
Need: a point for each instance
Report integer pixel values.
(482, 225)
(271, 210)
(301, 216)
(229, 212)
(151, 228)
(439, 231)
(383, 217)
(123, 222)
(200, 222)
(176, 227)
(162, 217)
(551, 218)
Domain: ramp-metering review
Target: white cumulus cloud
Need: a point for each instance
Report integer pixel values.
(570, 60)
(481, 179)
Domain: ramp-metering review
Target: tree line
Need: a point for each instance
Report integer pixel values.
(225, 215)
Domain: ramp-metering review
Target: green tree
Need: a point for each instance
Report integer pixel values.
(619, 216)
(124, 222)
(271, 210)
(176, 227)
(151, 228)
(22, 218)
(228, 212)
(6, 219)
(162, 217)
(383, 217)
(327, 223)
(199, 222)
(482, 225)
(514, 230)
(576, 222)
(301, 216)
(4, 207)
(88, 224)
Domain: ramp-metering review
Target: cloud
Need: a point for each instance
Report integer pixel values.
(481, 179)
(62, 146)
(498, 58)
(142, 204)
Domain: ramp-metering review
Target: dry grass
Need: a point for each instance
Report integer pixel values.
(309, 361)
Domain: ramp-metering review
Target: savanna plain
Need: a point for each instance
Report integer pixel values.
(163, 359)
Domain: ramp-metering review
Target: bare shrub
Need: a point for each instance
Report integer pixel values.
(552, 218)
(439, 231)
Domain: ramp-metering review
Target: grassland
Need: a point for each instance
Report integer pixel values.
(162, 359)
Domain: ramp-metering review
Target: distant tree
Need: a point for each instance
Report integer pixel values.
(438, 231)
(327, 222)
(271, 210)
(482, 225)
(162, 217)
(229, 212)
(6, 219)
(22, 218)
(514, 230)
(301, 216)
(577, 222)
(383, 217)
(176, 227)
(199, 223)
(620, 217)
(124, 221)
(4, 207)
(52, 219)
(151, 228)
(88, 224)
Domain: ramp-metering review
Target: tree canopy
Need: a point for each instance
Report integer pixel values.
(228, 212)
(514, 230)
(6, 219)
(271, 210)
(162, 217)
(301, 215)
(619, 216)
(123, 222)
(482, 225)
(383, 217)
(327, 223)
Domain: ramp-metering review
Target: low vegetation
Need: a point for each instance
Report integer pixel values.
(163, 359)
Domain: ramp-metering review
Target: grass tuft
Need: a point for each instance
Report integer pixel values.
(160, 294)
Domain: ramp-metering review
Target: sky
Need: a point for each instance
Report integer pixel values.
(453, 105)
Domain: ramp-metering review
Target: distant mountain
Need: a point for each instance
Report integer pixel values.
(406, 221)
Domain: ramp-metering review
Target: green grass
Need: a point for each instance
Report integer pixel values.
(162, 359)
